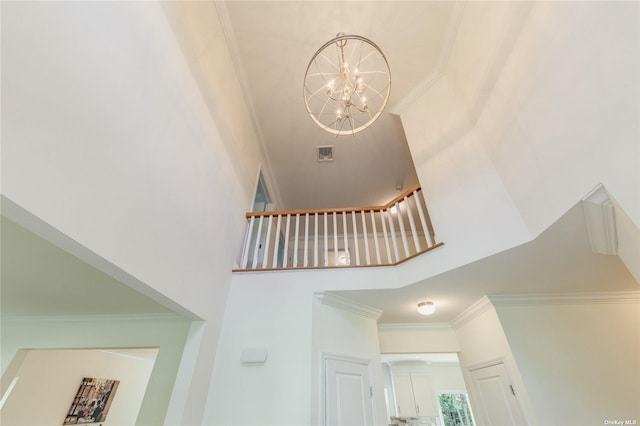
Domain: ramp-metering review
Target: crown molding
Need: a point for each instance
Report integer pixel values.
(415, 326)
(345, 304)
(492, 301)
(91, 318)
(473, 311)
(565, 298)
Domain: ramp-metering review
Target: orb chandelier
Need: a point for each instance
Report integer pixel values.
(347, 84)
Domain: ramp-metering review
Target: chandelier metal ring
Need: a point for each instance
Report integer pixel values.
(347, 84)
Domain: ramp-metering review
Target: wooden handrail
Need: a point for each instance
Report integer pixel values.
(400, 197)
(301, 212)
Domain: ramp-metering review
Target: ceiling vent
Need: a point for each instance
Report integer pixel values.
(325, 153)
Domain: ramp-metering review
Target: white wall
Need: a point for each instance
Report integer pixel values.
(482, 341)
(49, 379)
(563, 115)
(579, 362)
(454, 166)
(168, 334)
(108, 139)
(417, 338)
(121, 139)
(339, 332)
(264, 313)
(536, 105)
(277, 310)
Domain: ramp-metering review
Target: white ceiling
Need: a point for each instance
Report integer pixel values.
(272, 43)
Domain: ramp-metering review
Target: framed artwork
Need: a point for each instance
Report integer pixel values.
(92, 401)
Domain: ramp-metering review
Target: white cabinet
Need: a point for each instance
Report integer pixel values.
(424, 398)
(404, 395)
(413, 395)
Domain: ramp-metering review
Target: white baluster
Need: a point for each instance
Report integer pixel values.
(423, 219)
(366, 238)
(247, 244)
(383, 213)
(276, 245)
(412, 223)
(403, 232)
(295, 242)
(326, 241)
(267, 241)
(355, 238)
(375, 236)
(315, 246)
(344, 235)
(335, 239)
(305, 261)
(394, 238)
(257, 246)
(285, 256)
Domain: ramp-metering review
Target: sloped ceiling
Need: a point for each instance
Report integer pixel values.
(271, 44)
(40, 279)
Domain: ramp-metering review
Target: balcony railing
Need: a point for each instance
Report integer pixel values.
(332, 238)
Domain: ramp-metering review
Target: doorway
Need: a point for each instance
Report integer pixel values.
(50, 381)
(414, 383)
(262, 201)
(495, 395)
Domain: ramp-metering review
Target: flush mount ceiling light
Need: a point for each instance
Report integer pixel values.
(426, 308)
(347, 84)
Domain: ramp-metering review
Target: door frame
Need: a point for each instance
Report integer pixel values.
(510, 375)
(326, 356)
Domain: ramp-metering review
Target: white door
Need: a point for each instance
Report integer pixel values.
(495, 396)
(348, 393)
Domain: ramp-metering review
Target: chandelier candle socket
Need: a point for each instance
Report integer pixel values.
(347, 84)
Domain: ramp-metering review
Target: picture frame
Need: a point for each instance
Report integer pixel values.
(92, 401)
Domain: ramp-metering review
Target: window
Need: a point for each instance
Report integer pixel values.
(455, 409)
